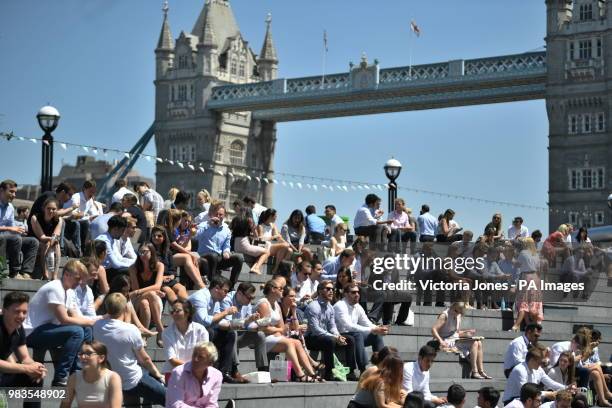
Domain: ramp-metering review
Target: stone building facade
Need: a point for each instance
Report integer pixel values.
(579, 52)
(235, 152)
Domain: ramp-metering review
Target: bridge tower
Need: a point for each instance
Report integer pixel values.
(235, 152)
(579, 57)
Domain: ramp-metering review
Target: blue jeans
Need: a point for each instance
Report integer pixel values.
(151, 390)
(362, 341)
(70, 338)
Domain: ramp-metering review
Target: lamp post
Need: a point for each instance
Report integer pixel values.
(392, 170)
(48, 117)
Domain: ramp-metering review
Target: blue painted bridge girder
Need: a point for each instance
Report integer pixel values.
(367, 89)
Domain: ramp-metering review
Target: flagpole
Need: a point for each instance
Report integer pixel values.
(324, 58)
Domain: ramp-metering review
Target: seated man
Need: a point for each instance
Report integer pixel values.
(87, 208)
(207, 305)
(244, 320)
(99, 226)
(125, 352)
(196, 383)
(488, 397)
(315, 226)
(323, 335)
(416, 376)
(517, 349)
(529, 371)
(301, 281)
(114, 262)
(13, 237)
(455, 397)
(530, 397)
(331, 219)
(49, 325)
(130, 204)
(351, 320)
(563, 399)
(213, 238)
(368, 223)
(331, 266)
(21, 371)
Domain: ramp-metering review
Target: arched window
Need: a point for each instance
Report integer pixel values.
(237, 153)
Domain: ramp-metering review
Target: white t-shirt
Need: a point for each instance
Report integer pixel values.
(118, 196)
(122, 340)
(82, 300)
(39, 310)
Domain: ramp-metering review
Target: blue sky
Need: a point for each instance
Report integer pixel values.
(94, 61)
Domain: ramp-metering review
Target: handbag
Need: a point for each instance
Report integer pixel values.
(280, 369)
(339, 371)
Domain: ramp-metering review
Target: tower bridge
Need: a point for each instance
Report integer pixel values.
(218, 102)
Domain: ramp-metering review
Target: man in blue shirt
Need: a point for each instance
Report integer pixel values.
(428, 224)
(333, 265)
(208, 312)
(213, 238)
(315, 226)
(13, 240)
(323, 335)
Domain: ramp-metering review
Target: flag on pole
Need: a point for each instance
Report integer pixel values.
(325, 40)
(415, 28)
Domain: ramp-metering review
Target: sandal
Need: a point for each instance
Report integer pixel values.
(159, 341)
(304, 378)
(316, 378)
(485, 375)
(476, 376)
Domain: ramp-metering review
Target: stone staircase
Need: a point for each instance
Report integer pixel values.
(560, 320)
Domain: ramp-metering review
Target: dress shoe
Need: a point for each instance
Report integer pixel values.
(228, 379)
(62, 382)
(352, 377)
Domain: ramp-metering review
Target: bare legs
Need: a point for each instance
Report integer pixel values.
(279, 252)
(296, 354)
(256, 268)
(193, 271)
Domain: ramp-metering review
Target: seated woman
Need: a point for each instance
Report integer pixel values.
(383, 388)
(344, 277)
(267, 232)
(95, 385)
(338, 240)
(121, 284)
(447, 231)
(179, 231)
(590, 361)
(447, 330)
(293, 231)
(47, 228)
(181, 336)
(170, 284)
(241, 228)
(101, 286)
(292, 316)
(377, 359)
(564, 371)
(276, 341)
(146, 277)
(574, 269)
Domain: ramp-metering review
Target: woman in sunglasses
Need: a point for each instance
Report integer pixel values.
(276, 341)
(95, 385)
(146, 276)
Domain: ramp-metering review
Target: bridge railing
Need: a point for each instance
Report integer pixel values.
(534, 62)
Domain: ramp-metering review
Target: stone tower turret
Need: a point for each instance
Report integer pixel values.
(267, 61)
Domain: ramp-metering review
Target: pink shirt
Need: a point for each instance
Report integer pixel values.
(184, 390)
(400, 220)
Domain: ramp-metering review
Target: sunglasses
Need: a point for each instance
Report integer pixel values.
(328, 288)
(354, 292)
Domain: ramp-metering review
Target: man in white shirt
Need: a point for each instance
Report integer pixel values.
(121, 186)
(115, 263)
(517, 229)
(416, 376)
(86, 208)
(301, 281)
(517, 349)
(563, 399)
(125, 352)
(351, 320)
(529, 372)
(49, 325)
(332, 219)
(368, 223)
(455, 397)
(530, 397)
(577, 343)
(256, 208)
(428, 224)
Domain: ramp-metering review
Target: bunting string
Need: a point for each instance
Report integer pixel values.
(285, 179)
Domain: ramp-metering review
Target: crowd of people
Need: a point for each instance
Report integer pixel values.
(142, 255)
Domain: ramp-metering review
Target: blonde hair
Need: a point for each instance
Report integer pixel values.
(529, 243)
(210, 348)
(115, 304)
(204, 194)
(562, 229)
(74, 265)
(172, 193)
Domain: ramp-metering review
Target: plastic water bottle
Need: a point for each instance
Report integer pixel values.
(50, 260)
(503, 303)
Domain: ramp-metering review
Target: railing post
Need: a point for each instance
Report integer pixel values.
(456, 68)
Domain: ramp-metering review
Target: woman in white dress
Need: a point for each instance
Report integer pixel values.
(276, 341)
(269, 233)
(447, 330)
